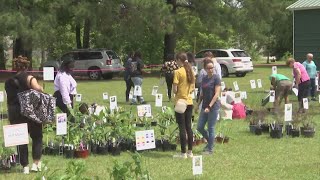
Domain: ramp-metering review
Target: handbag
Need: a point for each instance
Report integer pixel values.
(180, 106)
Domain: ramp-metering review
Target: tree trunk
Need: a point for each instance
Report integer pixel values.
(2, 57)
(169, 38)
(86, 33)
(19, 48)
(78, 36)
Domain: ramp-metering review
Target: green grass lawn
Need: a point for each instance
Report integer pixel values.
(246, 156)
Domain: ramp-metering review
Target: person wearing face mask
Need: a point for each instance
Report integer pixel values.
(211, 88)
(65, 88)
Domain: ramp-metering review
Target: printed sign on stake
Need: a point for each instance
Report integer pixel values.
(295, 91)
(272, 96)
(145, 140)
(78, 97)
(137, 91)
(223, 98)
(105, 96)
(144, 110)
(195, 70)
(130, 95)
(237, 97)
(235, 85)
(1, 96)
(158, 100)
(288, 112)
(305, 103)
(48, 73)
(61, 123)
(253, 84)
(154, 90)
(113, 102)
(197, 165)
(223, 86)
(243, 95)
(274, 69)
(259, 82)
(16, 134)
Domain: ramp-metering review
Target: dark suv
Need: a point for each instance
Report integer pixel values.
(94, 63)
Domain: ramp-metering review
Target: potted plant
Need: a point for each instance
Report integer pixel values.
(276, 127)
(5, 153)
(223, 130)
(308, 129)
(165, 119)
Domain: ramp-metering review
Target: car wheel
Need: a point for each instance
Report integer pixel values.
(107, 76)
(241, 74)
(94, 73)
(224, 71)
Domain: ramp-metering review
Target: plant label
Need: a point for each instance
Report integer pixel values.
(48, 73)
(237, 97)
(223, 98)
(16, 134)
(144, 110)
(105, 96)
(1, 96)
(154, 90)
(78, 97)
(243, 95)
(113, 102)
(158, 100)
(61, 123)
(195, 70)
(164, 108)
(295, 91)
(223, 86)
(274, 69)
(253, 84)
(197, 165)
(195, 93)
(288, 112)
(259, 82)
(272, 96)
(145, 140)
(130, 95)
(162, 81)
(137, 91)
(235, 85)
(305, 103)
(317, 81)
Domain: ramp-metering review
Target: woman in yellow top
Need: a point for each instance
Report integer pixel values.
(183, 85)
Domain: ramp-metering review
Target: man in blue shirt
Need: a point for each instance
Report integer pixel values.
(312, 72)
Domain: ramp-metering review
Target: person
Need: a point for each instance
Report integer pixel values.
(168, 68)
(282, 86)
(211, 88)
(136, 72)
(302, 81)
(183, 86)
(191, 59)
(312, 72)
(65, 88)
(127, 78)
(23, 81)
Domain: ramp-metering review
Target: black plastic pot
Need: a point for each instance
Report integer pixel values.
(294, 133)
(173, 147)
(265, 128)
(276, 133)
(5, 164)
(309, 133)
(102, 149)
(258, 131)
(288, 129)
(166, 145)
(115, 151)
(154, 123)
(252, 128)
(68, 153)
(140, 125)
(94, 148)
(158, 144)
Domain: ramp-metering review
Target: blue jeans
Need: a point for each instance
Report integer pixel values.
(211, 118)
(137, 81)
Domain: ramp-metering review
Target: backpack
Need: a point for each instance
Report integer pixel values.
(134, 68)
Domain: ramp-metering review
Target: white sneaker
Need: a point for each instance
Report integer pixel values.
(180, 155)
(36, 167)
(190, 155)
(26, 170)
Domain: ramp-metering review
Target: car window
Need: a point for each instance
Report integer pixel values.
(200, 54)
(89, 55)
(222, 54)
(239, 54)
(112, 55)
(68, 56)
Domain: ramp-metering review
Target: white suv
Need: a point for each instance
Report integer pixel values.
(232, 61)
(94, 63)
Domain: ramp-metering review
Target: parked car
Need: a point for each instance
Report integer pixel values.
(94, 63)
(232, 61)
